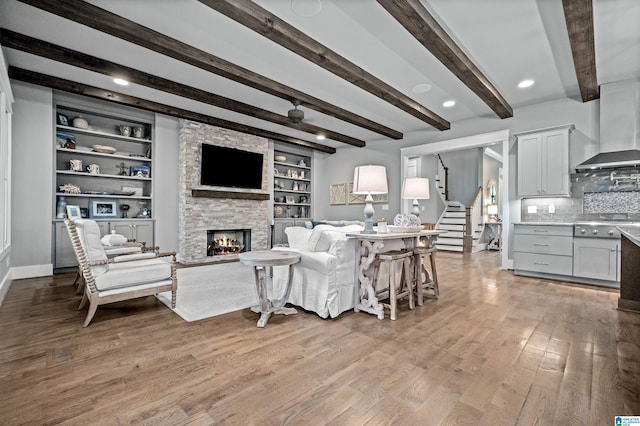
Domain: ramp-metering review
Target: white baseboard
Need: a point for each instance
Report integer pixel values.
(31, 271)
(4, 286)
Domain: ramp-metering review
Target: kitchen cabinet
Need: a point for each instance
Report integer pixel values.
(543, 249)
(543, 162)
(597, 258)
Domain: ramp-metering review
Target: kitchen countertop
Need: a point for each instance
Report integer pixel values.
(631, 231)
(545, 223)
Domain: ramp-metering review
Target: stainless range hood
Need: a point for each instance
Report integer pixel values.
(619, 127)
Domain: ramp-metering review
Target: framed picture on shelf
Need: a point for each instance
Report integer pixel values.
(73, 212)
(140, 171)
(289, 199)
(104, 208)
(84, 212)
(62, 119)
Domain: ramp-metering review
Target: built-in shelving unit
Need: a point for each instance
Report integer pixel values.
(292, 185)
(115, 142)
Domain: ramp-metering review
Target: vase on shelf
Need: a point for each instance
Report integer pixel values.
(61, 208)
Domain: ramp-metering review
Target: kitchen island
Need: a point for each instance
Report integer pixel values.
(629, 299)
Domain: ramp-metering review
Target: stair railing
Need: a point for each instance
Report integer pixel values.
(473, 219)
(442, 179)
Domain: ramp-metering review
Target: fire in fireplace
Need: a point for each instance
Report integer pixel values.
(224, 241)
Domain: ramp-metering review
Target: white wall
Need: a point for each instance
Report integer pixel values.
(32, 171)
(339, 167)
(166, 182)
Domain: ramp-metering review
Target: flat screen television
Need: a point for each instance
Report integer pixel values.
(230, 167)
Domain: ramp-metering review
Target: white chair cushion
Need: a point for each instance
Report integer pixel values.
(133, 273)
(89, 234)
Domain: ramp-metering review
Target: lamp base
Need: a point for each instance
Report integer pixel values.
(368, 215)
(416, 207)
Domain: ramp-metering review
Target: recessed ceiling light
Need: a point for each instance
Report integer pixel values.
(448, 104)
(421, 88)
(525, 83)
(306, 8)
(120, 81)
(320, 137)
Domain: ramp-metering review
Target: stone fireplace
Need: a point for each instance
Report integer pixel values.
(222, 242)
(204, 208)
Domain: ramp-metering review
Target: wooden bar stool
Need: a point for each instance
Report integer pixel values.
(424, 281)
(400, 278)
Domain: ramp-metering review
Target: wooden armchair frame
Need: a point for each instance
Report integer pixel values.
(96, 297)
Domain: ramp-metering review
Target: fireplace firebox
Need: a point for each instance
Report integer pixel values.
(222, 242)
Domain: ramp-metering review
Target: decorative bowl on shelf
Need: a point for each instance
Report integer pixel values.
(80, 123)
(280, 158)
(104, 149)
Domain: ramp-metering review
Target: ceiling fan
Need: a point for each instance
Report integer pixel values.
(295, 115)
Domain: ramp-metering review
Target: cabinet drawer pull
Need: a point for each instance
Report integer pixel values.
(541, 263)
(542, 245)
(540, 230)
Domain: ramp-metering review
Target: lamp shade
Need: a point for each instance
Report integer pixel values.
(415, 188)
(492, 209)
(370, 180)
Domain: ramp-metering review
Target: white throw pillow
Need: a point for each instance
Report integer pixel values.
(316, 234)
(298, 237)
(327, 237)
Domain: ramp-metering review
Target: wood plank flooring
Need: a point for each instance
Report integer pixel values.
(495, 349)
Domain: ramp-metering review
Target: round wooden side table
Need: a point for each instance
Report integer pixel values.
(260, 260)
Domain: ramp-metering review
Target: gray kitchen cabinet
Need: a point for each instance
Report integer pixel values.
(543, 162)
(543, 249)
(597, 259)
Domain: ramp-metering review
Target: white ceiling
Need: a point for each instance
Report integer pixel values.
(508, 40)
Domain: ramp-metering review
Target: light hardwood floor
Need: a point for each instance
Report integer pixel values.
(496, 349)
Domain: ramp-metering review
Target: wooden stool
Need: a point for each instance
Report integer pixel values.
(400, 278)
(422, 279)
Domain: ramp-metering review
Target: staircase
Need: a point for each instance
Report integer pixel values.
(463, 223)
(453, 220)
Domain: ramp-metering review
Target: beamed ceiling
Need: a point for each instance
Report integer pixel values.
(352, 64)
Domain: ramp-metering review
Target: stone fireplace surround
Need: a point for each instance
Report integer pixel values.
(200, 213)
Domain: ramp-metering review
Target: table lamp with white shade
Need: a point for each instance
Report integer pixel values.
(369, 180)
(416, 188)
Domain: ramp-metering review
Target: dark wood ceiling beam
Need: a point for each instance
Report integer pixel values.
(417, 20)
(102, 20)
(578, 15)
(275, 29)
(54, 52)
(120, 98)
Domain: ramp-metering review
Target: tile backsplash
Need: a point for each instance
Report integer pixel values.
(595, 195)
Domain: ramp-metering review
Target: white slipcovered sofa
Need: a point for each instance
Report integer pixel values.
(323, 281)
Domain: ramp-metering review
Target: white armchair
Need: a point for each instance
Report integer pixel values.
(109, 280)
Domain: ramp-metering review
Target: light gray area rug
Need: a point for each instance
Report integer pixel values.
(207, 291)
